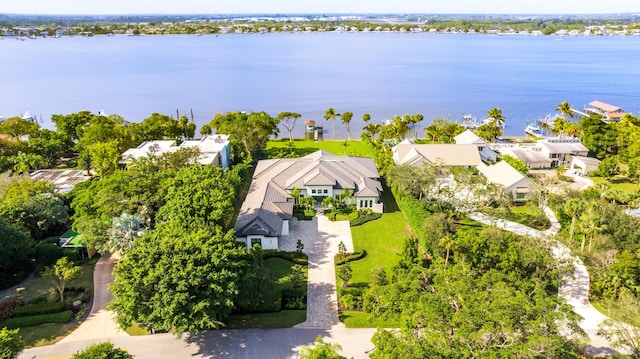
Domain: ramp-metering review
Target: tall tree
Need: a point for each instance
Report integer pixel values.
(330, 114)
(125, 229)
(346, 120)
(72, 125)
(61, 273)
(11, 343)
(104, 157)
(18, 126)
(565, 109)
(17, 248)
(248, 132)
(153, 288)
(366, 117)
(288, 120)
(573, 207)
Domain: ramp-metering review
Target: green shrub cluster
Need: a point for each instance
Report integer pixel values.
(7, 307)
(364, 219)
(351, 257)
(415, 213)
(21, 322)
(47, 253)
(37, 309)
(295, 257)
(351, 297)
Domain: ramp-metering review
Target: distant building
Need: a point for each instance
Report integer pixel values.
(63, 180)
(73, 240)
(407, 153)
(469, 138)
(548, 153)
(583, 166)
(515, 184)
(607, 111)
(215, 150)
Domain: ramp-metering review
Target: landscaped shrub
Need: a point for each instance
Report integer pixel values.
(37, 309)
(20, 322)
(350, 301)
(7, 307)
(351, 257)
(294, 303)
(72, 253)
(295, 257)
(47, 253)
(415, 213)
(364, 219)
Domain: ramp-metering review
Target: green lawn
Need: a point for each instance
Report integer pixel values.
(620, 183)
(528, 214)
(46, 334)
(282, 319)
(278, 267)
(355, 319)
(279, 148)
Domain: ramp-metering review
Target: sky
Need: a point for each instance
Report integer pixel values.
(91, 7)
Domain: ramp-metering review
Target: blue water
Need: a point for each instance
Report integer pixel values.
(384, 74)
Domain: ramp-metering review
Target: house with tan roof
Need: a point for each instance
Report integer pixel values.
(516, 185)
(607, 111)
(406, 153)
(469, 138)
(268, 208)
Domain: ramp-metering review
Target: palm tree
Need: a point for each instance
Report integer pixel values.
(565, 109)
(370, 130)
(366, 117)
(591, 225)
(295, 193)
(573, 207)
(447, 243)
(330, 114)
(125, 229)
(346, 119)
(497, 119)
(415, 119)
(347, 195)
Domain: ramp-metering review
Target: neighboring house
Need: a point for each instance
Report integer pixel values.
(515, 184)
(268, 208)
(560, 150)
(607, 111)
(583, 166)
(62, 180)
(214, 150)
(73, 240)
(469, 138)
(531, 156)
(406, 153)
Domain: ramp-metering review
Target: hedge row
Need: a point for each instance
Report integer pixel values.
(37, 309)
(364, 219)
(415, 213)
(351, 257)
(295, 257)
(21, 322)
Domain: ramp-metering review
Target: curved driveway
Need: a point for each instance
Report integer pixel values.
(574, 287)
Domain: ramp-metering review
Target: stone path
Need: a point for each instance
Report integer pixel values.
(320, 238)
(99, 325)
(574, 288)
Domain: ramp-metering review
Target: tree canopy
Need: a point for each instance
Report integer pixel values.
(248, 132)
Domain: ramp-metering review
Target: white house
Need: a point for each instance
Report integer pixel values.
(214, 150)
(531, 156)
(454, 155)
(583, 166)
(268, 208)
(560, 150)
(515, 184)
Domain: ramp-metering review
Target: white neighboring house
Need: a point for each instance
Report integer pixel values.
(515, 184)
(469, 138)
(268, 208)
(583, 166)
(561, 149)
(531, 156)
(214, 150)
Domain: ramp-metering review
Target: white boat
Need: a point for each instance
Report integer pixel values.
(469, 122)
(533, 130)
(29, 117)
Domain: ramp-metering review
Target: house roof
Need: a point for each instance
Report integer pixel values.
(587, 161)
(63, 180)
(209, 146)
(605, 106)
(268, 204)
(528, 155)
(469, 138)
(562, 145)
(501, 173)
(447, 154)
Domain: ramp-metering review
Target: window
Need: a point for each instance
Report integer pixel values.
(313, 191)
(360, 203)
(255, 241)
(370, 203)
(326, 191)
(520, 195)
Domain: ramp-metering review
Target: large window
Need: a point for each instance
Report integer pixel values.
(255, 241)
(326, 191)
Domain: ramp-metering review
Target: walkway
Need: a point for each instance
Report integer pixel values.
(99, 325)
(574, 288)
(320, 238)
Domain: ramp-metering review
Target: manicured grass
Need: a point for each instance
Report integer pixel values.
(278, 267)
(621, 183)
(382, 239)
(136, 330)
(282, 319)
(46, 334)
(355, 319)
(279, 148)
(528, 214)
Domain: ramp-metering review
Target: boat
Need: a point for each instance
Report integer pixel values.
(310, 125)
(533, 130)
(29, 117)
(469, 122)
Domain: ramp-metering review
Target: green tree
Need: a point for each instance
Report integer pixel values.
(205, 130)
(565, 109)
(153, 288)
(102, 351)
(366, 117)
(17, 249)
(17, 127)
(609, 167)
(330, 114)
(379, 276)
(621, 335)
(345, 273)
(370, 130)
(72, 125)
(346, 120)
(321, 350)
(248, 132)
(288, 121)
(159, 126)
(125, 229)
(104, 157)
(11, 343)
(573, 207)
(50, 145)
(25, 162)
(443, 130)
(516, 163)
(61, 273)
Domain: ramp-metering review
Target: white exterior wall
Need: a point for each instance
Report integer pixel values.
(369, 204)
(338, 192)
(310, 189)
(265, 242)
(512, 190)
(285, 228)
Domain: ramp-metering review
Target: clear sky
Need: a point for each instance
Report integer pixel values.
(317, 6)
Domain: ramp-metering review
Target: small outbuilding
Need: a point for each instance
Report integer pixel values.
(583, 166)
